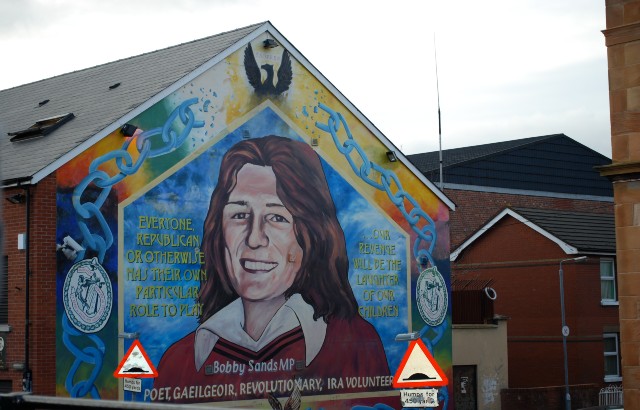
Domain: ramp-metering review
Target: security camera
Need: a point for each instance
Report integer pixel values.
(69, 247)
(69, 242)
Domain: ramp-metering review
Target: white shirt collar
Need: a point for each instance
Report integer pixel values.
(228, 323)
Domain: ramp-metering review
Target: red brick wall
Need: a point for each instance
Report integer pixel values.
(14, 224)
(531, 304)
(549, 398)
(42, 297)
(524, 265)
(43, 289)
(476, 208)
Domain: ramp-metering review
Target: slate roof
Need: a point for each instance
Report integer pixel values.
(587, 232)
(574, 232)
(429, 161)
(99, 108)
(87, 95)
(550, 163)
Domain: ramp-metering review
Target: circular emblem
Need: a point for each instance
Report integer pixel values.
(88, 296)
(432, 296)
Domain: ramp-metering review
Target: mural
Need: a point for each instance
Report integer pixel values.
(253, 237)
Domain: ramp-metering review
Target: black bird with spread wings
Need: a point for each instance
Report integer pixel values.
(267, 87)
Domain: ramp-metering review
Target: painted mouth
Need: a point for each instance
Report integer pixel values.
(253, 266)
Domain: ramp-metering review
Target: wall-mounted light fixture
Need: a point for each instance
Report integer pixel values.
(392, 156)
(17, 198)
(407, 337)
(128, 130)
(270, 43)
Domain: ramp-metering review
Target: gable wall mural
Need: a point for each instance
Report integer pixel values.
(254, 238)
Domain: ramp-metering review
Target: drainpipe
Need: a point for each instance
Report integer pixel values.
(26, 375)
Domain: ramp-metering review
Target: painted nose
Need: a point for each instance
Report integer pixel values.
(257, 236)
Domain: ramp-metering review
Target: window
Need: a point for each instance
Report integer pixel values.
(608, 282)
(611, 358)
(42, 127)
(4, 291)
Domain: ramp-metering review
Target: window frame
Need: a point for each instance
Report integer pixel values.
(610, 378)
(612, 280)
(4, 293)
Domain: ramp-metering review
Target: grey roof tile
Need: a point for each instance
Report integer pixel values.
(86, 94)
(550, 163)
(588, 232)
(429, 161)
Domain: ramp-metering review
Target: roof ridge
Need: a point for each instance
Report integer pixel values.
(525, 141)
(138, 55)
(559, 211)
(509, 145)
(529, 140)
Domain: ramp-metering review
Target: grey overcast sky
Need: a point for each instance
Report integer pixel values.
(507, 69)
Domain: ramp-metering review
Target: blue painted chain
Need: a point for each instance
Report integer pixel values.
(101, 242)
(90, 354)
(420, 222)
(126, 166)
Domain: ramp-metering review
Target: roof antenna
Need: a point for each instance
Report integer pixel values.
(435, 55)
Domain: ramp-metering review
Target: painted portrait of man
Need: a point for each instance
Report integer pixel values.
(276, 302)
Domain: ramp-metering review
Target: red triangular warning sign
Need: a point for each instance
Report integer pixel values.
(419, 369)
(136, 364)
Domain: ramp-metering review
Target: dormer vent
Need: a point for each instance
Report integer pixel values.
(41, 128)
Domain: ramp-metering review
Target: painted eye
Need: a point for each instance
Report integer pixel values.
(240, 215)
(277, 218)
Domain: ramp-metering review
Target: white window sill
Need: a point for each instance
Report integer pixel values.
(5, 328)
(609, 303)
(612, 379)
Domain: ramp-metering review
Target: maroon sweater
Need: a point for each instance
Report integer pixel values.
(351, 359)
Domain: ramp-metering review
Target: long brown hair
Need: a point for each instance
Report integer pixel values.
(301, 185)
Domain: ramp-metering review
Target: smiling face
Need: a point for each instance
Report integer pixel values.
(259, 237)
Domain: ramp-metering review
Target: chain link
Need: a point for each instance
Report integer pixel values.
(420, 222)
(90, 354)
(166, 140)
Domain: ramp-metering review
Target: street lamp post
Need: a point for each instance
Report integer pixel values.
(565, 332)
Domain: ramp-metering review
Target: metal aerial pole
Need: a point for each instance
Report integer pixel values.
(435, 55)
